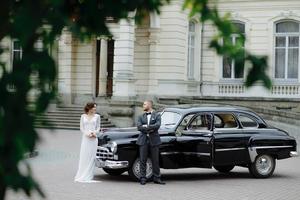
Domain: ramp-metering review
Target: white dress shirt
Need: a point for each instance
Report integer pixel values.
(149, 118)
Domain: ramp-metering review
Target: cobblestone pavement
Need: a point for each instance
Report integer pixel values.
(56, 166)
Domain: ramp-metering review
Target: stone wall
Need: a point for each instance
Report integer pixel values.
(124, 113)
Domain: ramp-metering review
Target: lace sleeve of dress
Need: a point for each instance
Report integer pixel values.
(98, 124)
(82, 126)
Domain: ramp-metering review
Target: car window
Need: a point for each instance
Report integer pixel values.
(169, 119)
(218, 123)
(200, 122)
(225, 120)
(183, 124)
(247, 121)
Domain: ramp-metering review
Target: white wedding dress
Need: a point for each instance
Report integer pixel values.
(88, 148)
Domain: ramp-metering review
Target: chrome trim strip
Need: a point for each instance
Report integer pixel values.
(270, 147)
(196, 153)
(169, 153)
(230, 149)
(186, 153)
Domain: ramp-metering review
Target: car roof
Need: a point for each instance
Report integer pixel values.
(192, 108)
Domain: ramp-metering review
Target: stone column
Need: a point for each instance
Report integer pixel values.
(123, 78)
(103, 68)
(154, 60)
(65, 68)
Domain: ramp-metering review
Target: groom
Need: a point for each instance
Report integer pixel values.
(149, 140)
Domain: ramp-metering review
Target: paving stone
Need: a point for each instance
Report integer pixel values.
(57, 162)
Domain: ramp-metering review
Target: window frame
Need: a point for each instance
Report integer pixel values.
(194, 117)
(179, 130)
(191, 68)
(234, 37)
(286, 48)
(175, 126)
(248, 116)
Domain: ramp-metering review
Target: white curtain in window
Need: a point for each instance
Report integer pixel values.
(227, 66)
(280, 63)
(191, 50)
(293, 57)
(287, 50)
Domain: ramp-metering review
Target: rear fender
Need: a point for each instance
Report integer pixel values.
(277, 146)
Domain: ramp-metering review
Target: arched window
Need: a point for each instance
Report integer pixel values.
(287, 50)
(191, 50)
(228, 65)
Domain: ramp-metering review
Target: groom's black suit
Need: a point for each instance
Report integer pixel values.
(149, 139)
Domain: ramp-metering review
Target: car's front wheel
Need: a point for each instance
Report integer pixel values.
(114, 172)
(263, 166)
(134, 169)
(224, 168)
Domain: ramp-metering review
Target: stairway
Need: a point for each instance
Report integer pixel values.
(67, 117)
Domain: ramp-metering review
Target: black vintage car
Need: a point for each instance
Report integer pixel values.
(221, 137)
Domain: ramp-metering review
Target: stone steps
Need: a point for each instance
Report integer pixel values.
(66, 117)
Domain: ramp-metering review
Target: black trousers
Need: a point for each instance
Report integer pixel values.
(154, 152)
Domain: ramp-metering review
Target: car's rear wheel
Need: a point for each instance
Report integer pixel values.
(224, 168)
(114, 172)
(134, 169)
(263, 166)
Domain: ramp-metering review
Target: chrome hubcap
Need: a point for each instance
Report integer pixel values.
(136, 168)
(264, 164)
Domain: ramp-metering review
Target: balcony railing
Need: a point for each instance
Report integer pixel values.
(285, 89)
(231, 88)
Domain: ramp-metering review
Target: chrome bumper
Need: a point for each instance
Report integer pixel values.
(111, 164)
(294, 154)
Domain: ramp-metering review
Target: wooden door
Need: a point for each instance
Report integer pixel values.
(110, 65)
(98, 49)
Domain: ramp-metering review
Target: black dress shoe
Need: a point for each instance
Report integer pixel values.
(143, 182)
(159, 182)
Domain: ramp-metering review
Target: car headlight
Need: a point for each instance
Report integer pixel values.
(113, 146)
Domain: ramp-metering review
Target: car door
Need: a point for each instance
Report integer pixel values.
(230, 143)
(168, 150)
(194, 142)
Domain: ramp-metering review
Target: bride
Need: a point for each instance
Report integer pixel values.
(89, 126)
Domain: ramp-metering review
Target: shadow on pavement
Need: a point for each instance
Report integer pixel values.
(207, 176)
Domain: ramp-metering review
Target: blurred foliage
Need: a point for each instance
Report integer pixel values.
(29, 21)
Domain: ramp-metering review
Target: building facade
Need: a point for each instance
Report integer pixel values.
(169, 55)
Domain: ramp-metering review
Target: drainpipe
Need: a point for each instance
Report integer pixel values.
(201, 59)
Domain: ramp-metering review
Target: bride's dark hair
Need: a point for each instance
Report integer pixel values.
(89, 106)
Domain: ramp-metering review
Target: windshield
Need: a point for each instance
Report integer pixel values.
(169, 119)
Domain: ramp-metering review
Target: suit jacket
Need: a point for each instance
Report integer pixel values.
(151, 131)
